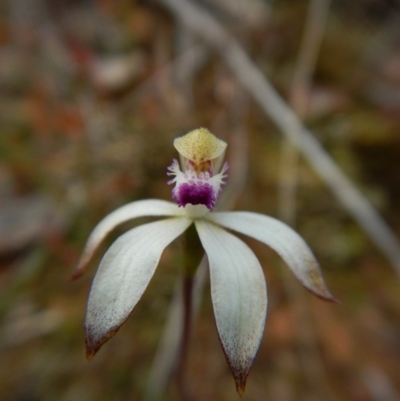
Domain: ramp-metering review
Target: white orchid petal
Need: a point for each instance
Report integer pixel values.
(149, 207)
(284, 240)
(123, 276)
(239, 297)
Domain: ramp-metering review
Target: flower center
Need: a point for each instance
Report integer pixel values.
(196, 188)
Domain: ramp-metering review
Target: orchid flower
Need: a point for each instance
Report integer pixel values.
(238, 288)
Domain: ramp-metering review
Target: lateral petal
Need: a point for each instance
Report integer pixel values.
(284, 240)
(123, 276)
(133, 210)
(239, 297)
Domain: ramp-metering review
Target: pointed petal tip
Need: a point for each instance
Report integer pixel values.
(94, 344)
(81, 268)
(91, 349)
(76, 274)
(90, 354)
(240, 375)
(240, 371)
(331, 299)
(315, 283)
(325, 295)
(240, 385)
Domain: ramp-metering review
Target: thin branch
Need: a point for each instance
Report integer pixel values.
(299, 93)
(283, 116)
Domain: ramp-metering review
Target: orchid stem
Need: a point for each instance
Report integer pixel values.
(192, 255)
(187, 287)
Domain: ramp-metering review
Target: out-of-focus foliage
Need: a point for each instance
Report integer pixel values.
(91, 96)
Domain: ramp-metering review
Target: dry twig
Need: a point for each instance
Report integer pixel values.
(299, 93)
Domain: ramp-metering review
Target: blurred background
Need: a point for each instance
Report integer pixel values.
(92, 94)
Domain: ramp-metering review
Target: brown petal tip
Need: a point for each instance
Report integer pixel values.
(240, 376)
(331, 299)
(324, 294)
(80, 269)
(78, 273)
(240, 385)
(94, 344)
(316, 284)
